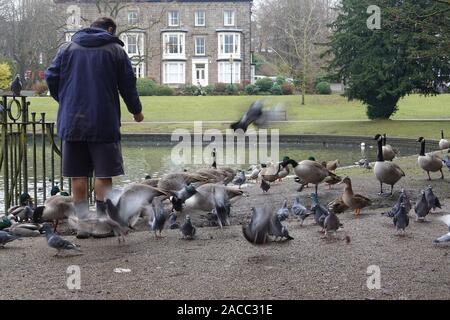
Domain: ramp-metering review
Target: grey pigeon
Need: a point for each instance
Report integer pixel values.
(254, 113)
(422, 209)
(187, 229)
(283, 212)
(265, 186)
(331, 223)
(401, 219)
(213, 218)
(257, 231)
(319, 211)
(159, 219)
(180, 197)
(172, 221)
(433, 201)
(299, 210)
(16, 86)
(277, 230)
(446, 161)
(445, 237)
(402, 199)
(56, 242)
(6, 237)
(240, 179)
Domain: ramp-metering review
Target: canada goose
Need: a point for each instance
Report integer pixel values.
(386, 172)
(177, 181)
(308, 171)
(443, 143)
(355, 202)
(429, 162)
(389, 152)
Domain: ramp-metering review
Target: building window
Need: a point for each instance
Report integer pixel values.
(229, 45)
(132, 44)
(132, 17)
(138, 68)
(200, 18)
(227, 69)
(174, 73)
(200, 49)
(173, 44)
(228, 18)
(174, 19)
(69, 36)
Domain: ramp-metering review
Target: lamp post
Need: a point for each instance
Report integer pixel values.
(231, 67)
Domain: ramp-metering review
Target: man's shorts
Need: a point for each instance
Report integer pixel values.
(83, 159)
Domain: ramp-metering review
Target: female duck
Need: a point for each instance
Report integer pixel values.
(386, 172)
(355, 202)
(429, 162)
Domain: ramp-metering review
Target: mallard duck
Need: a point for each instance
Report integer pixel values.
(355, 202)
(337, 206)
(332, 180)
(23, 211)
(57, 208)
(429, 162)
(269, 172)
(443, 143)
(389, 152)
(386, 172)
(333, 165)
(308, 171)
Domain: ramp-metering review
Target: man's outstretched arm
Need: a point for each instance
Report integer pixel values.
(127, 88)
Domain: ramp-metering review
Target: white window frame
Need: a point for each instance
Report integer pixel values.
(132, 44)
(194, 75)
(133, 20)
(196, 22)
(139, 69)
(236, 45)
(181, 45)
(171, 19)
(181, 72)
(196, 46)
(139, 43)
(224, 72)
(227, 16)
(69, 36)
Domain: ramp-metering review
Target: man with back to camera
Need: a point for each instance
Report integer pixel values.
(86, 77)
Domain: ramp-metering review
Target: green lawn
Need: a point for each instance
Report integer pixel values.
(333, 107)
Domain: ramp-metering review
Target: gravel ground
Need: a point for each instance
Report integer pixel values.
(220, 264)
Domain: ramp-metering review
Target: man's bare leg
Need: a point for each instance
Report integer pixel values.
(80, 194)
(102, 186)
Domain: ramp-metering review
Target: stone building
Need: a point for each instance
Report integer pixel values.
(177, 42)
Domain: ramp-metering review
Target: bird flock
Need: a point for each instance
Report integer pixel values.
(214, 190)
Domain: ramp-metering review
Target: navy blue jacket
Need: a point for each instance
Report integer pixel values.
(86, 77)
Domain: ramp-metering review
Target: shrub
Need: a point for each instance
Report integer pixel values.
(208, 90)
(264, 84)
(145, 87)
(190, 90)
(163, 91)
(5, 76)
(281, 80)
(231, 89)
(323, 88)
(287, 88)
(276, 89)
(251, 89)
(219, 88)
(40, 88)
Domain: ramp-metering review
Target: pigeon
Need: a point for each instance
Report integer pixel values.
(432, 200)
(283, 212)
(187, 229)
(299, 210)
(180, 197)
(56, 242)
(401, 219)
(319, 211)
(257, 231)
(159, 219)
(364, 163)
(446, 161)
(402, 199)
(254, 113)
(213, 218)
(255, 172)
(277, 230)
(6, 237)
(172, 221)
(240, 179)
(265, 186)
(445, 237)
(16, 86)
(331, 223)
(422, 209)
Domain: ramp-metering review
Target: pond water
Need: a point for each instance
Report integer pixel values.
(150, 158)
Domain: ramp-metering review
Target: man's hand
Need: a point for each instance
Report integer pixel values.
(138, 117)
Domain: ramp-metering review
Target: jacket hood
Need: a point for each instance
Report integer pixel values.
(94, 37)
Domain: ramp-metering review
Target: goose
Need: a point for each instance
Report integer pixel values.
(308, 171)
(386, 172)
(429, 162)
(443, 143)
(389, 152)
(177, 181)
(355, 202)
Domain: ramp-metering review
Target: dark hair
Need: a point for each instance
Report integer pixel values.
(104, 23)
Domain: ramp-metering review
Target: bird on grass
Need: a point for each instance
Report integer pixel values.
(56, 242)
(187, 229)
(6, 237)
(429, 162)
